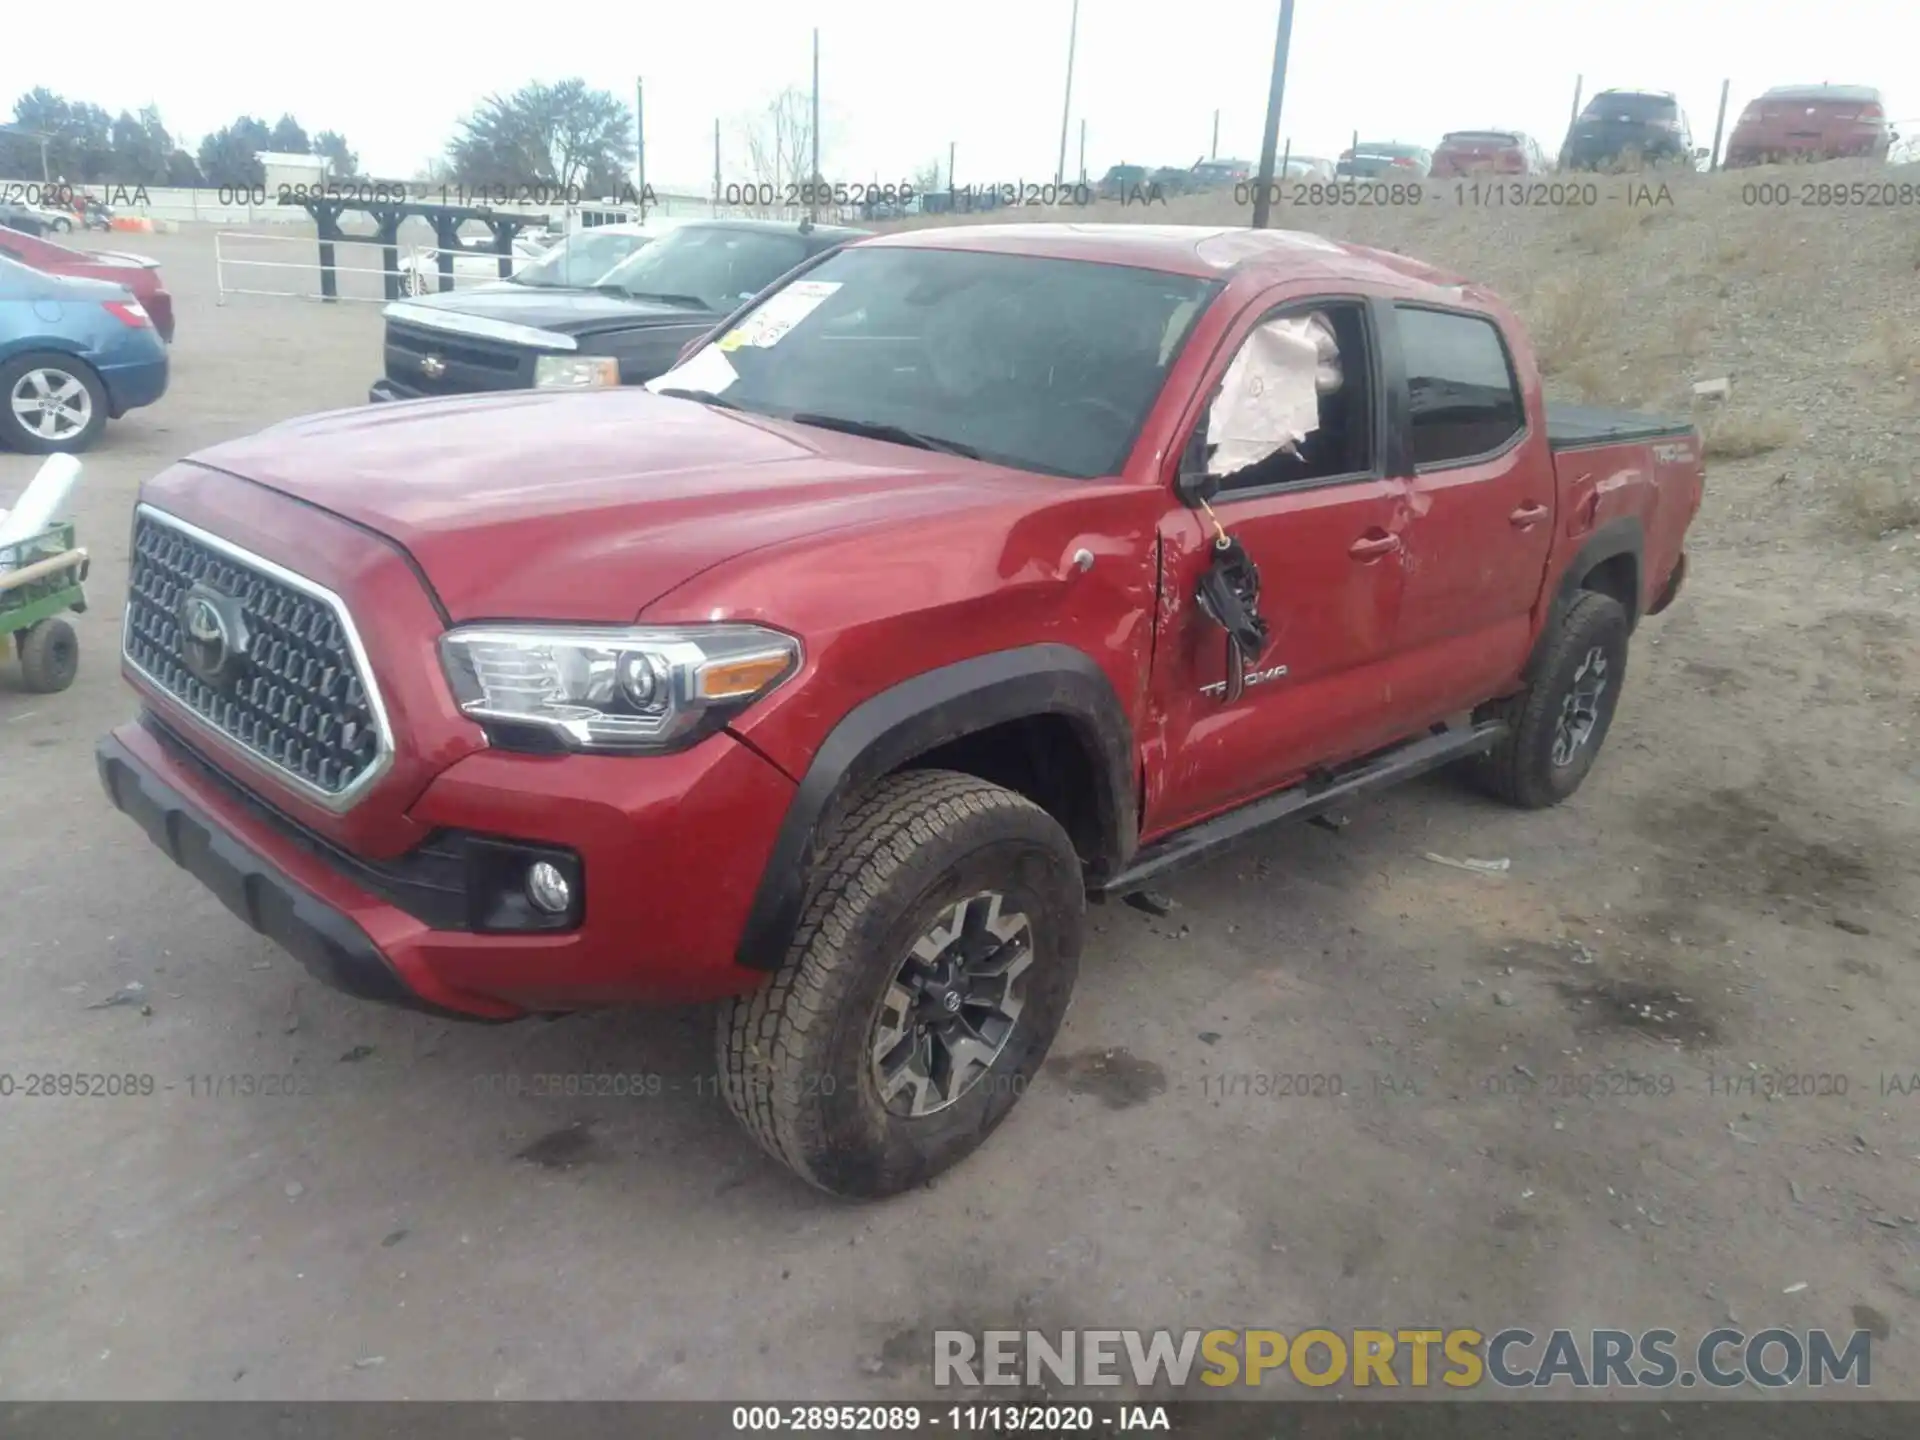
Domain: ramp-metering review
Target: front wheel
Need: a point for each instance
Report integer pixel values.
(1555, 726)
(49, 655)
(931, 968)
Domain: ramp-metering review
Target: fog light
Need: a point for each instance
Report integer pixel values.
(548, 889)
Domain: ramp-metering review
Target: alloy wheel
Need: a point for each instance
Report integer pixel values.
(1580, 709)
(51, 404)
(952, 1007)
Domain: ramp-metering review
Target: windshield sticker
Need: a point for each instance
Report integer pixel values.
(768, 325)
(706, 369)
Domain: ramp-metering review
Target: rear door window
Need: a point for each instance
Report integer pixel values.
(1465, 400)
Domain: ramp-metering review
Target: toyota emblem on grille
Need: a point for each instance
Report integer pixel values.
(432, 366)
(213, 633)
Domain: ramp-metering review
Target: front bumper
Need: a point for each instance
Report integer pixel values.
(672, 848)
(325, 940)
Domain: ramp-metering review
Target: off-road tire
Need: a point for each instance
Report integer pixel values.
(795, 1058)
(1520, 769)
(49, 655)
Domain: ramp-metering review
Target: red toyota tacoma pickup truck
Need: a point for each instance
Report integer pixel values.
(964, 577)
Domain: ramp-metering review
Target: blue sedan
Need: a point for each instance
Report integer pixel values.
(73, 353)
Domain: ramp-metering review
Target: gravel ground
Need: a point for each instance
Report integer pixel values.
(1731, 897)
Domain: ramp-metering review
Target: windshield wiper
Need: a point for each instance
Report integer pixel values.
(878, 430)
(705, 397)
(683, 302)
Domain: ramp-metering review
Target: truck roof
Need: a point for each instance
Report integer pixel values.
(1209, 251)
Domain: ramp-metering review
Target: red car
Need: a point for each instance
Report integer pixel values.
(830, 680)
(1481, 152)
(136, 272)
(1811, 122)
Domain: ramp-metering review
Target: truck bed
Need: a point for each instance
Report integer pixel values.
(1572, 427)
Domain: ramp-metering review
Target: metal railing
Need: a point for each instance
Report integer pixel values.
(238, 265)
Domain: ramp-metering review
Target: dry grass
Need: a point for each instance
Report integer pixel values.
(1687, 330)
(1567, 320)
(1743, 434)
(1600, 381)
(1778, 249)
(1605, 227)
(1884, 501)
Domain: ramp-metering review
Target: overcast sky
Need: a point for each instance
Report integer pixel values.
(899, 81)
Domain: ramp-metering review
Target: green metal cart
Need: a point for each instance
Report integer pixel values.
(41, 578)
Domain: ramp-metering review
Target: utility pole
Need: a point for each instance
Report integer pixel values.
(950, 148)
(1276, 92)
(813, 180)
(1083, 151)
(1066, 106)
(640, 139)
(716, 165)
(1719, 124)
(1214, 153)
(1579, 82)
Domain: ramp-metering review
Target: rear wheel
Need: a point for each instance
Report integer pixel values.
(1558, 723)
(49, 655)
(929, 973)
(50, 402)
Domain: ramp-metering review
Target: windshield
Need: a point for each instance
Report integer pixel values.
(580, 260)
(707, 266)
(1043, 364)
(1624, 105)
(1481, 137)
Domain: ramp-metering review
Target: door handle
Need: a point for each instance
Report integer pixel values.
(1528, 514)
(1374, 544)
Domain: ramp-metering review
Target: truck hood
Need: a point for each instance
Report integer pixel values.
(589, 507)
(568, 312)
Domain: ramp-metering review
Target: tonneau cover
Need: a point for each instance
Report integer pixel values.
(1570, 427)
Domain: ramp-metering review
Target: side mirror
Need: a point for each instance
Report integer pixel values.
(1195, 486)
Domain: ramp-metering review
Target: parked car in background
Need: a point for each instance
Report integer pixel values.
(1385, 159)
(1122, 180)
(1219, 174)
(74, 353)
(586, 256)
(1488, 152)
(25, 219)
(1811, 122)
(624, 327)
(1625, 128)
(420, 269)
(136, 272)
(1171, 180)
(1308, 167)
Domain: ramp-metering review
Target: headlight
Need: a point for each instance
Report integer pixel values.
(575, 372)
(594, 688)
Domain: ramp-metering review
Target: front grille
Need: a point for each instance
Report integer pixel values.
(470, 362)
(287, 688)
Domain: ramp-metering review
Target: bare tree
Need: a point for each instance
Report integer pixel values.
(779, 144)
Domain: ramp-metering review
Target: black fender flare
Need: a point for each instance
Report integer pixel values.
(883, 733)
(1624, 536)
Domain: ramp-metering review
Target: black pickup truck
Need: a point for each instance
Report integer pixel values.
(623, 331)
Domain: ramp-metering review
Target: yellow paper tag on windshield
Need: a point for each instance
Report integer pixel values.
(732, 340)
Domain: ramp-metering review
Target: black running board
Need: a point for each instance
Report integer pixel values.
(1299, 802)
